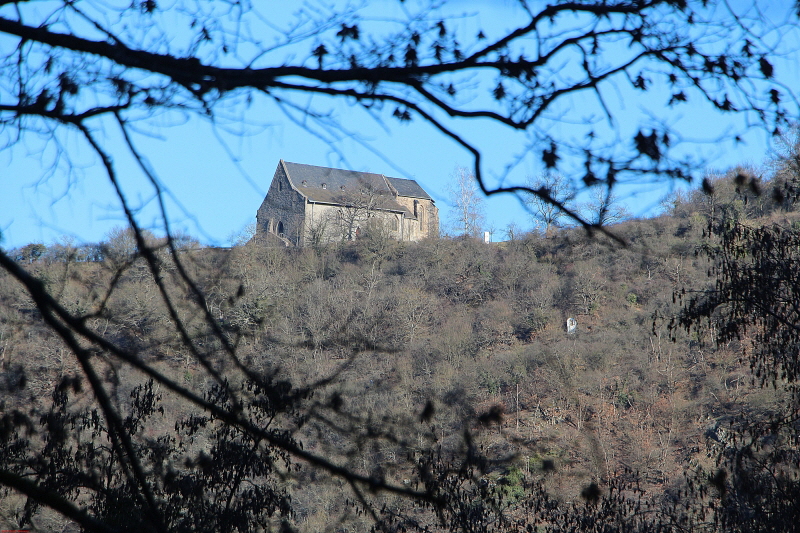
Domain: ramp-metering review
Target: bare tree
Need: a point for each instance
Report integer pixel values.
(553, 194)
(357, 208)
(604, 207)
(244, 235)
(467, 202)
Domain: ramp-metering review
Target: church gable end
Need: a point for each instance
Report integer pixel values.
(282, 211)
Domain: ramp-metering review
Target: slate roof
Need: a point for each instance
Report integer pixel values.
(312, 178)
(408, 188)
(341, 186)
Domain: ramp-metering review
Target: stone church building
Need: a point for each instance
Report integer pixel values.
(308, 205)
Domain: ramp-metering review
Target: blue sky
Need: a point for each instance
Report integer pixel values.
(217, 175)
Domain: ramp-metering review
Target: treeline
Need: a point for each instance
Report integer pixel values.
(119, 245)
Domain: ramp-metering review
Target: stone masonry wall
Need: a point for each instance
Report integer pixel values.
(416, 229)
(282, 205)
(328, 223)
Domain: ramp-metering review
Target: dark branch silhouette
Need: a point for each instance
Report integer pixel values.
(69, 71)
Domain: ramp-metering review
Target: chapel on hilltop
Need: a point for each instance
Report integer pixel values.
(308, 205)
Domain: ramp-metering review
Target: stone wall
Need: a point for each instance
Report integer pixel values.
(282, 206)
(432, 223)
(329, 223)
(425, 210)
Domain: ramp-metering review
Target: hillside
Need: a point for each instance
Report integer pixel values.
(387, 355)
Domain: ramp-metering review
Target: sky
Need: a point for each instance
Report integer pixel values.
(216, 175)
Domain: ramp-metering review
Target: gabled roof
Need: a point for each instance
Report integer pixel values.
(408, 188)
(341, 187)
(312, 178)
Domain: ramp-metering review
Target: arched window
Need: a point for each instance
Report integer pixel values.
(395, 224)
(421, 215)
(280, 229)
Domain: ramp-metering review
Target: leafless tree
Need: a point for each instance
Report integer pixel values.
(358, 206)
(467, 202)
(554, 193)
(604, 207)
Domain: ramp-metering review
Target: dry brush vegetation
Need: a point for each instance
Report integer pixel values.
(441, 368)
